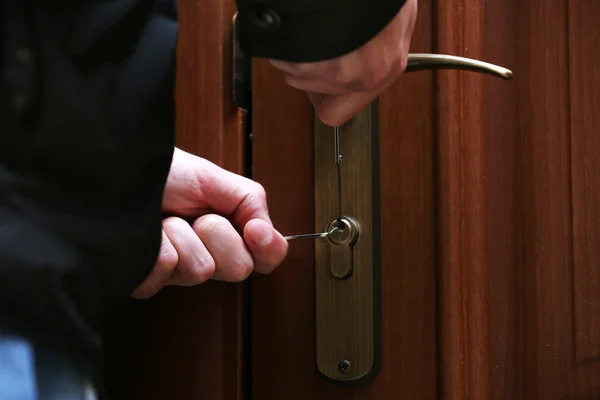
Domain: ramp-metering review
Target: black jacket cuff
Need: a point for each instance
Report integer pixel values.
(300, 31)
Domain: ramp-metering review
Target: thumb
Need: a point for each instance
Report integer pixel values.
(267, 246)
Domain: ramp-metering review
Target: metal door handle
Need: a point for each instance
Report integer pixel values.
(424, 61)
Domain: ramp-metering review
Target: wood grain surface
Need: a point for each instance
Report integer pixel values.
(542, 183)
(584, 108)
(462, 257)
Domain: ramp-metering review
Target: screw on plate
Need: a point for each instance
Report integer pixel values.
(344, 366)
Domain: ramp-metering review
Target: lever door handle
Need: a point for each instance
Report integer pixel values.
(347, 272)
(424, 61)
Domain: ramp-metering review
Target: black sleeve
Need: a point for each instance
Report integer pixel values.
(310, 30)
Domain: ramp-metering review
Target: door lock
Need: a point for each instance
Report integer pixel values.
(345, 233)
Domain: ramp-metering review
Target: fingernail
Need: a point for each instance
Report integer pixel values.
(262, 235)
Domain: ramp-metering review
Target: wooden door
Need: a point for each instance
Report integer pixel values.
(489, 215)
(489, 206)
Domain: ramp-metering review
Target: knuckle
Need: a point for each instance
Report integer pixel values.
(259, 190)
(167, 260)
(256, 198)
(167, 257)
(208, 223)
(376, 77)
(341, 76)
(202, 270)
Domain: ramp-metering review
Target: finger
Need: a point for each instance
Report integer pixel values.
(337, 110)
(227, 193)
(232, 260)
(347, 72)
(316, 70)
(164, 267)
(315, 98)
(360, 71)
(338, 76)
(195, 265)
(315, 86)
(268, 247)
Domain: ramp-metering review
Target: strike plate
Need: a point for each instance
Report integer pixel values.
(347, 265)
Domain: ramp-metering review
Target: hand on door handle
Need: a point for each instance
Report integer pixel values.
(334, 109)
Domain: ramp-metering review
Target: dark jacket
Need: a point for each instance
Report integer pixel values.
(86, 141)
(310, 30)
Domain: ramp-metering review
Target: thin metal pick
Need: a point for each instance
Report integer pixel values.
(311, 235)
(338, 161)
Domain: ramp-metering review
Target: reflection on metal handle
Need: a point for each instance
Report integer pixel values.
(421, 62)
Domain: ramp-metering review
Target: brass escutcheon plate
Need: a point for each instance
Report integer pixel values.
(347, 268)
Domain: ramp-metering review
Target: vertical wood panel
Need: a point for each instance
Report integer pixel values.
(283, 303)
(187, 343)
(545, 254)
(542, 199)
(461, 201)
(584, 65)
(208, 121)
(407, 149)
(502, 201)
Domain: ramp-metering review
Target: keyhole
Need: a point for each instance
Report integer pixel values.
(341, 248)
(345, 231)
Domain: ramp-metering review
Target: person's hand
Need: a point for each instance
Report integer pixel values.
(230, 234)
(340, 88)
